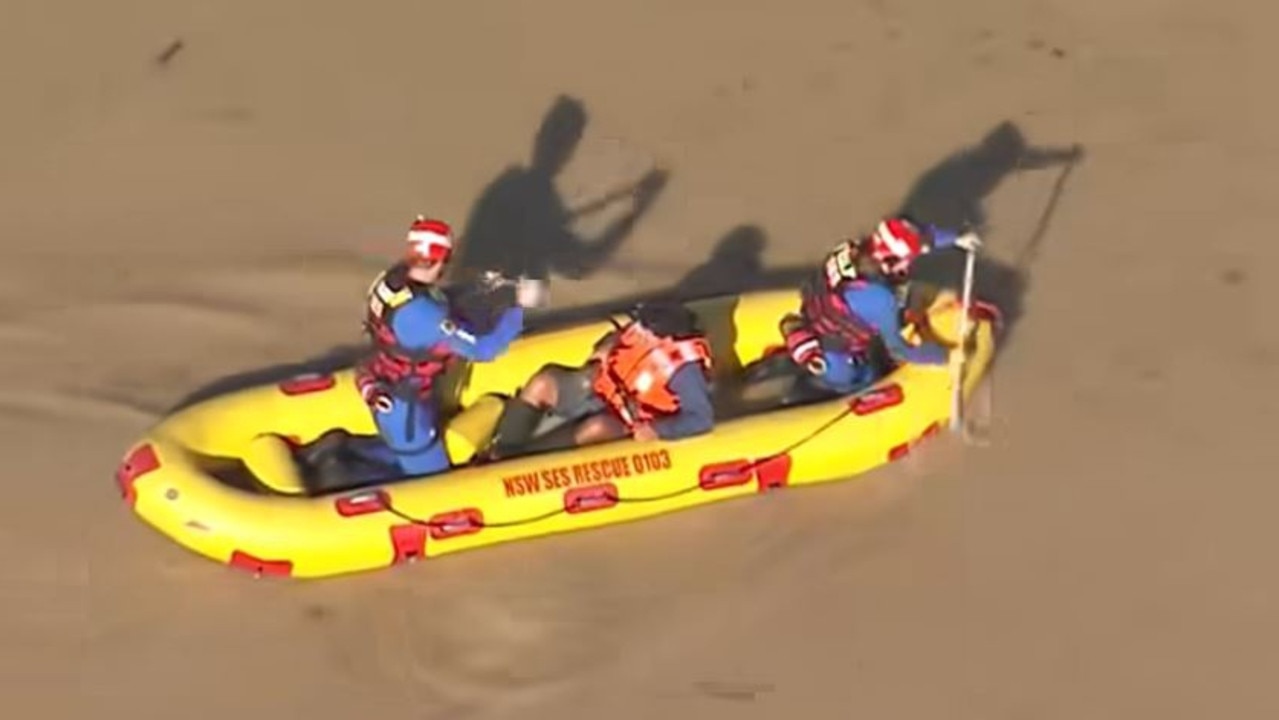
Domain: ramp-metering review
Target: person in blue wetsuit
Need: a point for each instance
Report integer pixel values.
(848, 331)
(414, 338)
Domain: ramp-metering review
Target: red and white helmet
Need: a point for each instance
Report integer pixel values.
(895, 244)
(430, 241)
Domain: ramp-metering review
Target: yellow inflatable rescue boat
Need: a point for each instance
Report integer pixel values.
(219, 477)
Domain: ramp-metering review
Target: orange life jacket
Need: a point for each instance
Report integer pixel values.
(634, 378)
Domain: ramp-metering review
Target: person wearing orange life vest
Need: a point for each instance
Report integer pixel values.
(414, 338)
(649, 379)
(848, 330)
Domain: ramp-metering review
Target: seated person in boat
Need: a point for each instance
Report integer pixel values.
(848, 331)
(648, 379)
(414, 336)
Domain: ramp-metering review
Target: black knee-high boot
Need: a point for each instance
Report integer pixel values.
(517, 424)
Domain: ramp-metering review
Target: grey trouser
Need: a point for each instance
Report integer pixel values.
(574, 396)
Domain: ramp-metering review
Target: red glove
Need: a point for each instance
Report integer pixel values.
(918, 319)
(805, 349)
(374, 394)
(980, 310)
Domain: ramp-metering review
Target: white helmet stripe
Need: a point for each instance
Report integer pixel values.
(896, 245)
(428, 237)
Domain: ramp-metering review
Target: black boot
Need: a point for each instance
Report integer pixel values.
(515, 427)
(321, 463)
